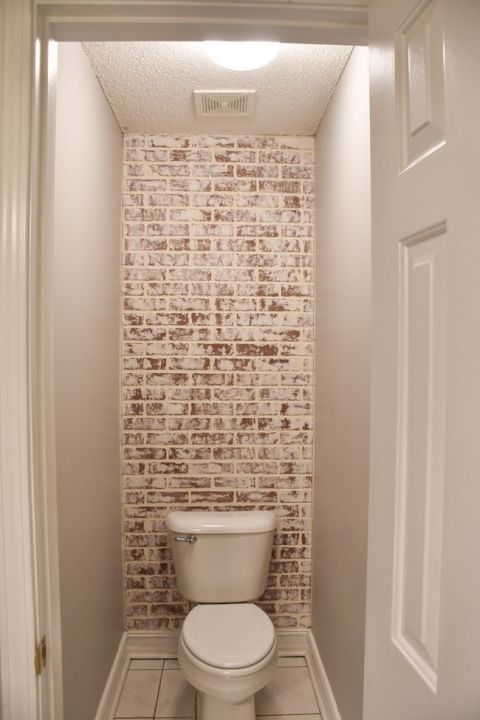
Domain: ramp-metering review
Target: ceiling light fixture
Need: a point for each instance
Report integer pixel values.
(241, 55)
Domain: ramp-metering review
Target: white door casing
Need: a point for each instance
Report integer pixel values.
(18, 619)
(29, 602)
(423, 624)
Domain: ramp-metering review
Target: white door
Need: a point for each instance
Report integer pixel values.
(423, 599)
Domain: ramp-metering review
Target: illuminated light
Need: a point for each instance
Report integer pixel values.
(241, 55)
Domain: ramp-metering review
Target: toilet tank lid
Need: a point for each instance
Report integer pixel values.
(254, 521)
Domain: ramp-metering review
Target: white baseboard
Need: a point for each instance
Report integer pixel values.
(321, 686)
(164, 644)
(138, 644)
(291, 643)
(161, 644)
(113, 688)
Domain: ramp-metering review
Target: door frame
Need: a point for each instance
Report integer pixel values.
(29, 566)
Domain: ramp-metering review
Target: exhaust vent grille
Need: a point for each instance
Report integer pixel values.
(224, 102)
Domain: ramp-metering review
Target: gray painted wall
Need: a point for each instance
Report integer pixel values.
(342, 355)
(86, 326)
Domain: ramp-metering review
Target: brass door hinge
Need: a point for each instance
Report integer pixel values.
(40, 659)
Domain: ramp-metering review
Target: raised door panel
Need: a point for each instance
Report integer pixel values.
(420, 77)
(421, 450)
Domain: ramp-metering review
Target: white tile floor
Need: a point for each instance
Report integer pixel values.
(156, 689)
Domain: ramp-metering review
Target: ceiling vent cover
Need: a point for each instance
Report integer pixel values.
(224, 102)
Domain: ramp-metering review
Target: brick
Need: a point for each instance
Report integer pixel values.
(279, 156)
(292, 171)
(146, 185)
(256, 496)
(132, 199)
(143, 214)
(196, 334)
(183, 393)
(257, 438)
(258, 200)
(143, 423)
(254, 350)
(218, 170)
(257, 171)
(163, 170)
(166, 408)
(211, 409)
(255, 409)
(239, 303)
(130, 140)
(256, 468)
(257, 260)
(212, 259)
(236, 185)
(212, 229)
(190, 184)
(189, 304)
(279, 186)
(234, 393)
(190, 215)
(176, 423)
(233, 423)
(167, 229)
(167, 199)
(221, 379)
(188, 453)
(212, 141)
(237, 453)
(256, 141)
(212, 438)
(281, 453)
(190, 155)
(212, 468)
(144, 244)
(167, 438)
(212, 200)
(301, 231)
(165, 141)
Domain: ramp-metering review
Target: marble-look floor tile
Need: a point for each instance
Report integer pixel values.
(139, 694)
(176, 698)
(289, 692)
(291, 662)
(146, 664)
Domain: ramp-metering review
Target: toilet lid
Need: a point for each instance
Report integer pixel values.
(228, 636)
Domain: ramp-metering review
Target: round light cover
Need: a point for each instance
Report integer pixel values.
(241, 55)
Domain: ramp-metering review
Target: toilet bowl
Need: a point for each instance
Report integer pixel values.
(228, 653)
(227, 647)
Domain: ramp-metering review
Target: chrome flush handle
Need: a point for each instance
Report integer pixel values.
(188, 538)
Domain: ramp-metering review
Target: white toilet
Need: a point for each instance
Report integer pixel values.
(227, 648)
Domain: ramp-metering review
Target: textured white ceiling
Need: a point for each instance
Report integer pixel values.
(149, 86)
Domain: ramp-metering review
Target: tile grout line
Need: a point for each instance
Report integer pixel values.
(158, 691)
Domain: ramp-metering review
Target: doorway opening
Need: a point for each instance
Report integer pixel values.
(216, 344)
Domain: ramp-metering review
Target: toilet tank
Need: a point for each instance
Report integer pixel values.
(228, 557)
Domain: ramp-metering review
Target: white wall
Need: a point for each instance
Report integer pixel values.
(342, 384)
(86, 317)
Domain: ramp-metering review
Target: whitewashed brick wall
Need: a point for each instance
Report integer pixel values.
(217, 354)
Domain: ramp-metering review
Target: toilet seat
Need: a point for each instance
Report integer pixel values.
(228, 636)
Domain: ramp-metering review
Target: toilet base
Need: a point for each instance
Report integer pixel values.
(210, 708)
